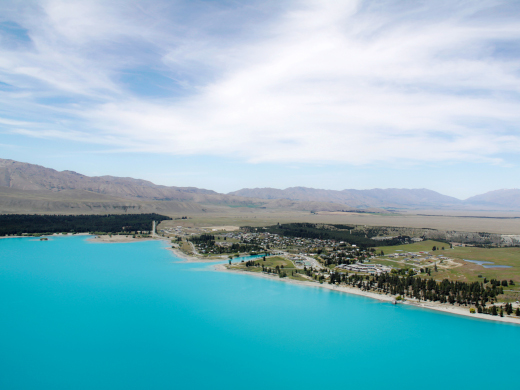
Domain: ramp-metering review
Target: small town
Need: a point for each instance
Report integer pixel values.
(319, 254)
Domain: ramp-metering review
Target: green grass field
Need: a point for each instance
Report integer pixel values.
(499, 256)
(466, 272)
(423, 246)
(391, 263)
(272, 262)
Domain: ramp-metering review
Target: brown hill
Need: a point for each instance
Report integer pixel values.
(23, 176)
(361, 199)
(505, 198)
(29, 188)
(14, 201)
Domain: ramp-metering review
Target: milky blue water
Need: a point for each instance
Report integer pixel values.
(79, 315)
(486, 264)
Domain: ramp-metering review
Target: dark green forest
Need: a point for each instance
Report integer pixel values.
(427, 289)
(206, 242)
(21, 223)
(310, 230)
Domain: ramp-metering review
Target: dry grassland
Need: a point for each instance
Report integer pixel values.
(501, 223)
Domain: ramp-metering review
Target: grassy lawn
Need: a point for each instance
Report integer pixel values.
(272, 262)
(298, 277)
(423, 246)
(186, 247)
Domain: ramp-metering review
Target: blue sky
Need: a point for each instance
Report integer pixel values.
(231, 94)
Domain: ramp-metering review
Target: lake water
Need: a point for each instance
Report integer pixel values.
(487, 264)
(79, 315)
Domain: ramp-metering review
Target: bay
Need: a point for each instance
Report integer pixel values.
(81, 315)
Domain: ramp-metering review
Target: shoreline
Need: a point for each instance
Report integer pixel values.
(49, 235)
(190, 258)
(384, 298)
(343, 289)
(106, 239)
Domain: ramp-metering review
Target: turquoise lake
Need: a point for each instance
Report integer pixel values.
(80, 315)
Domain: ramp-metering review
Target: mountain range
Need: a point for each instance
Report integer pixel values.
(389, 198)
(30, 188)
(361, 199)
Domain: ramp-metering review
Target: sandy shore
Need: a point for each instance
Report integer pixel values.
(462, 311)
(117, 238)
(175, 251)
(193, 259)
(49, 235)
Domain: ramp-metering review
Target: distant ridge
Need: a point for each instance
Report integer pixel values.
(32, 188)
(506, 199)
(23, 176)
(392, 197)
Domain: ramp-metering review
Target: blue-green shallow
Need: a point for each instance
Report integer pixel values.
(79, 315)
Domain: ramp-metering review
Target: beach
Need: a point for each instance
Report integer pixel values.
(116, 238)
(193, 259)
(457, 310)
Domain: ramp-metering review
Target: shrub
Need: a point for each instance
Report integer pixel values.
(472, 310)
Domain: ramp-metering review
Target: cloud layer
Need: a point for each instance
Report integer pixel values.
(355, 82)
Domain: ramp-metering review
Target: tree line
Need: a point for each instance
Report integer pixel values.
(427, 289)
(206, 242)
(18, 224)
(313, 231)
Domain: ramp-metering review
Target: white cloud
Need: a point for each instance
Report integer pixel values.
(319, 81)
